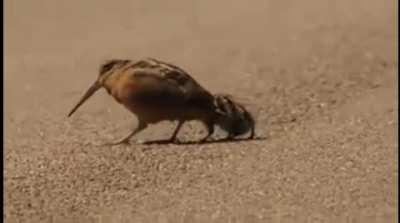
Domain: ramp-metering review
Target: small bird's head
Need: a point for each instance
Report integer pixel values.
(105, 71)
(107, 68)
(233, 117)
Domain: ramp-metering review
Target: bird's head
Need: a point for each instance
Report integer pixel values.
(107, 68)
(105, 71)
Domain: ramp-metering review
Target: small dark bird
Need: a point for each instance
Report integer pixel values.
(156, 91)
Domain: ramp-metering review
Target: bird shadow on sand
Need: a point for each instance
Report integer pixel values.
(165, 142)
(178, 143)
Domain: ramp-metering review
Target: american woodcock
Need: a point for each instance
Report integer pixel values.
(156, 91)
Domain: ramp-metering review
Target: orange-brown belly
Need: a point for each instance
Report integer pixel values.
(154, 104)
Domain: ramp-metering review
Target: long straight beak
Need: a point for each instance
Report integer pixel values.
(95, 86)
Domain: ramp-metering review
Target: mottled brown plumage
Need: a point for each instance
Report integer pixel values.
(155, 91)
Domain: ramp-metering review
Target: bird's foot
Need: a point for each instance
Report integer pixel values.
(121, 142)
(173, 140)
(163, 141)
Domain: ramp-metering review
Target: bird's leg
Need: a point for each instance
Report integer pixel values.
(178, 127)
(125, 140)
(252, 133)
(210, 129)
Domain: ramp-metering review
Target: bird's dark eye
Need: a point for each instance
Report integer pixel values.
(106, 67)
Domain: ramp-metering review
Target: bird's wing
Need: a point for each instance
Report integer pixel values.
(150, 86)
(172, 75)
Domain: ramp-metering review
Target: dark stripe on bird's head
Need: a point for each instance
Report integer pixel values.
(110, 64)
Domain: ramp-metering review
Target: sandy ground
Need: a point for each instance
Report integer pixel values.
(319, 76)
